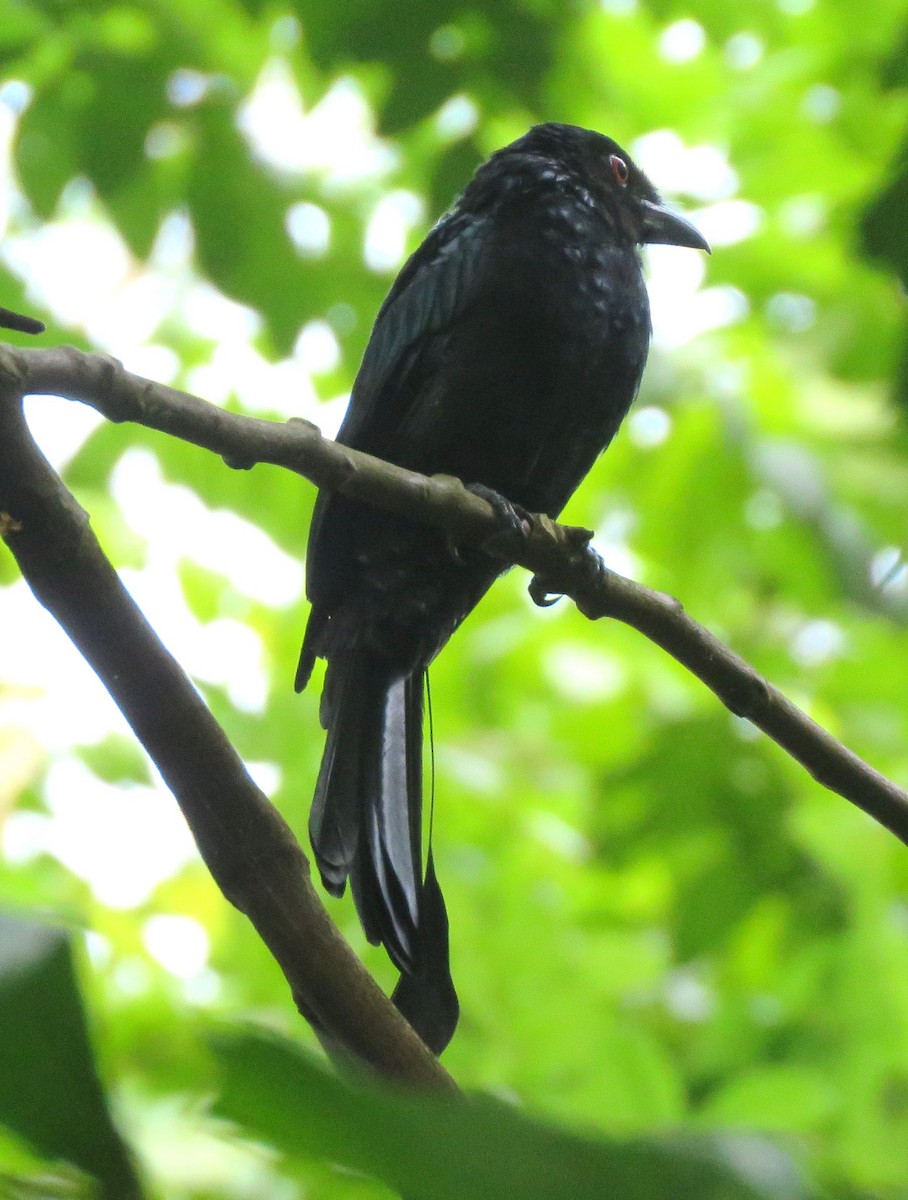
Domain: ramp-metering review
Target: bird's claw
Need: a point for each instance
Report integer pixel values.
(513, 523)
(540, 594)
(577, 542)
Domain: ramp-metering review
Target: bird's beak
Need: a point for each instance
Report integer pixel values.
(667, 228)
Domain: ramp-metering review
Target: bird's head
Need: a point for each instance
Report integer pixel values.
(613, 179)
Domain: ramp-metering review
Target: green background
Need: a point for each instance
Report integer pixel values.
(659, 922)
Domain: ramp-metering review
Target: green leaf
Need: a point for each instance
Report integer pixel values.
(19, 25)
(24, 1175)
(450, 1148)
(116, 759)
(50, 1092)
(883, 227)
(238, 214)
(782, 1097)
(46, 153)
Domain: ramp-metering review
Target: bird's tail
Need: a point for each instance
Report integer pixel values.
(366, 824)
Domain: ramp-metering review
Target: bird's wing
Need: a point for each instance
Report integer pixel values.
(434, 287)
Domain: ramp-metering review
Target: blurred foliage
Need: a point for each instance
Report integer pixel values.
(658, 920)
(50, 1093)
(448, 1148)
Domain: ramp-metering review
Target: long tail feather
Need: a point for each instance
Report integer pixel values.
(426, 995)
(365, 825)
(334, 820)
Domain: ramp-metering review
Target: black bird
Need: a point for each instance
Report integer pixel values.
(507, 353)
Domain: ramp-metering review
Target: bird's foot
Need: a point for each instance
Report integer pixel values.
(541, 594)
(513, 523)
(544, 591)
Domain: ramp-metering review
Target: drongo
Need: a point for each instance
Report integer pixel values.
(507, 354)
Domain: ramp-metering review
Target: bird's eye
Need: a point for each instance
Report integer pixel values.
(619, 166)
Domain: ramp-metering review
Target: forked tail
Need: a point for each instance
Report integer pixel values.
(366, 824)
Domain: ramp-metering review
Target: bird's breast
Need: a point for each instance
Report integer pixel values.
(539, 369)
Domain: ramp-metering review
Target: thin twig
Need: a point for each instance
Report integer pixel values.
(20, 322)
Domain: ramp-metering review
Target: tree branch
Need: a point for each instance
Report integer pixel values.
(559, 556)
(248, 847)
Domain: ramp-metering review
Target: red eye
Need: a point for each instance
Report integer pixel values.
(619, 166)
